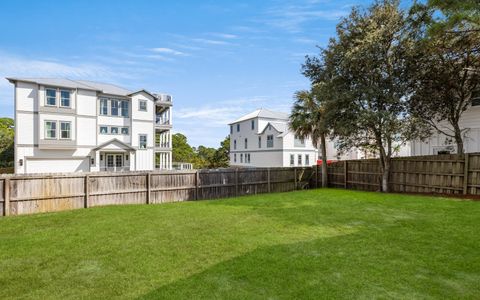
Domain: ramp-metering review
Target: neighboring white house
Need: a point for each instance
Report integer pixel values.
(64, 125)
(263, 139)
(441, 144)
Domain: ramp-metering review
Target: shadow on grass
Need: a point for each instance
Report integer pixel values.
(362, 265)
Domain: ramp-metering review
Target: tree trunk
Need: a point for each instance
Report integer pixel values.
(324, 161)
(385, 174)
(458, 139)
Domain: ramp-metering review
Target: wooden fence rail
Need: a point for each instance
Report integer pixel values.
(28, 194)
(446, 174)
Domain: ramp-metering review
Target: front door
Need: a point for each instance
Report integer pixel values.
(114, 162)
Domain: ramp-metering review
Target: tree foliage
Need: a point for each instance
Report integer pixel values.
(445, 66)
(201, 157)
(309, 119)
(366, 67)
(6, 142)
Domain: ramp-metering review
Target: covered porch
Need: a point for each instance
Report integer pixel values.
(114, 156)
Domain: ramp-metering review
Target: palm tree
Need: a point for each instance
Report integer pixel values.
(308, 119)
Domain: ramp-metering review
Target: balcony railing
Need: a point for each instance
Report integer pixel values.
(162, 121)
(115, 169)
(165, 145)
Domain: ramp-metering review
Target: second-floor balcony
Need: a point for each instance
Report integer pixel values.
(163, 146)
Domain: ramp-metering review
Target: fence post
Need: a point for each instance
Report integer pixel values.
(236, 182)
(6, 198)
(268, 181)
(345, 173)
(87, 190)
(197, 177)
(465, 173)
(295, 177)
(148, 180)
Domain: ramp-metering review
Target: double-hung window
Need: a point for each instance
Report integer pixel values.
(125, 130)
(142, 141)
(253, 124)
(234, 144)
(51, 97)
(50, 129)
(64, 98)
(114, 108)
(299, 159)
(246, 143)
(307, 159)
(65, 130)
(142, 105)
(235, 157)
(104, 106)
(125, 109)
(114, 130)
(292, 160)
(238, 127)
(241, 157)
(259, 142)
(270, 141)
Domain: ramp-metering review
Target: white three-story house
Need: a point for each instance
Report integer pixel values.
(64, 125)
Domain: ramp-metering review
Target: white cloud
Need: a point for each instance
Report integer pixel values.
(210, 41)
(224, 35)
(168, 51)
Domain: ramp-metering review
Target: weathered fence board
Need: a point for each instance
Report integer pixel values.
(28, 194)
(445, 174)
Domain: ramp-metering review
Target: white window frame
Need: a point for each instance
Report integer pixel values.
(292, 160)
(111, 130)
(299, 159)
(69, 98)
(122, 129)
(46, 137)
(61, 130)
(117, 107)
(307, 159)
(140, 102)
(270, 139)
(122, 108)
(105, 100)
(47, 97)
(140, 141)
(100, 129)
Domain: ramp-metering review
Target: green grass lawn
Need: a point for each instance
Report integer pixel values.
(308, 244)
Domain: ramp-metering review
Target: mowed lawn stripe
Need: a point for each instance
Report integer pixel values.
(324, 243)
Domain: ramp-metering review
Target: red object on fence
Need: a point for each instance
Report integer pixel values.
(319, 162)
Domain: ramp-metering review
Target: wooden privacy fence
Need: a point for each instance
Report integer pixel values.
(28, 194)
(446, 174)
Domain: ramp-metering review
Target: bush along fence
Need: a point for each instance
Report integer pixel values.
(446, 174)
(28, 194)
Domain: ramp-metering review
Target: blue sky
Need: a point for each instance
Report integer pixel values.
(219, 59)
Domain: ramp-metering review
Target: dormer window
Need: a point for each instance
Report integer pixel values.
(142, 105)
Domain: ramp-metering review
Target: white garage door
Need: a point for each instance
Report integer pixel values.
(57, 165)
